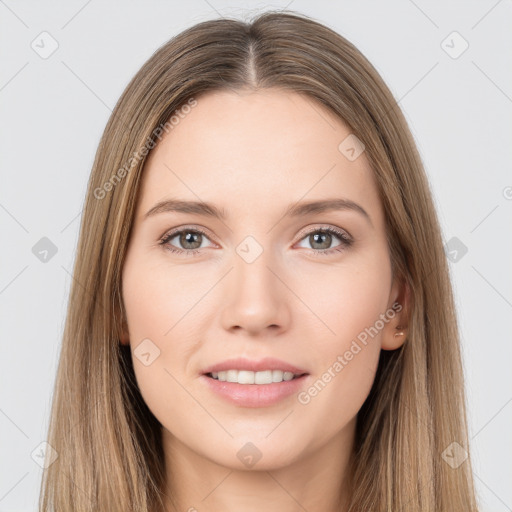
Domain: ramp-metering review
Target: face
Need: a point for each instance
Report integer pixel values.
(269, 278)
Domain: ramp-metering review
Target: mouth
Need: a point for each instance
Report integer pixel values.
(248, 377)
(254, 383)
(264, 388)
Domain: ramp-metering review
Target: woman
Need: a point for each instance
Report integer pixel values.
(261, 314)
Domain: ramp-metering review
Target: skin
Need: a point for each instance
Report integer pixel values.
(254, 154)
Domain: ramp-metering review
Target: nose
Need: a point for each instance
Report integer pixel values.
(257, 300)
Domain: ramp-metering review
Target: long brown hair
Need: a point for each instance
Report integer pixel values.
(110, 455)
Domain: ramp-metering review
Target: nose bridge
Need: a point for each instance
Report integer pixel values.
(252, 277)
(252, 274)
(256, 297)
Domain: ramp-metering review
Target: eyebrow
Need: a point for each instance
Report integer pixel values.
(300, 209)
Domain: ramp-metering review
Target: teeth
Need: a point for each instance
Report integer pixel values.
(248, 377)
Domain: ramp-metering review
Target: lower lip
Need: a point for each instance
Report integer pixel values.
(255, 395)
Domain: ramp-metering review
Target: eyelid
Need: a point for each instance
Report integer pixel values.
(323, 227)
(188, 227)
(302, 233)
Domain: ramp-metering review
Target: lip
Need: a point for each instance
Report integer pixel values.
(255, 395)
(240, 363)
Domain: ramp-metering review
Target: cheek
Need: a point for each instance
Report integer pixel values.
(158, 341)
(162, 305)
(153, 309)
(346, 299)
(349, 301)
(157, 299)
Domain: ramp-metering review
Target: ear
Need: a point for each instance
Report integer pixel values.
(395, 330)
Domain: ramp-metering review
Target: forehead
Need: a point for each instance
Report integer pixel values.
(241, 150)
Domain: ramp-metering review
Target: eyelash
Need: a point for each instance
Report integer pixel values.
(342, 236)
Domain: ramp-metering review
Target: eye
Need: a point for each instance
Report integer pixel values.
(190, 240)
(321, 240)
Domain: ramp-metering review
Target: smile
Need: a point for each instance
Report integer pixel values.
(249, 377)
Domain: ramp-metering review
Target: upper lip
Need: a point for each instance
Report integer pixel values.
(268, 363)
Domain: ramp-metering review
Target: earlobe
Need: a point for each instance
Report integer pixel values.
(393, 340)
(396, 330)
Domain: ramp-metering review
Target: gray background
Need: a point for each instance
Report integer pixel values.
(54, 109)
